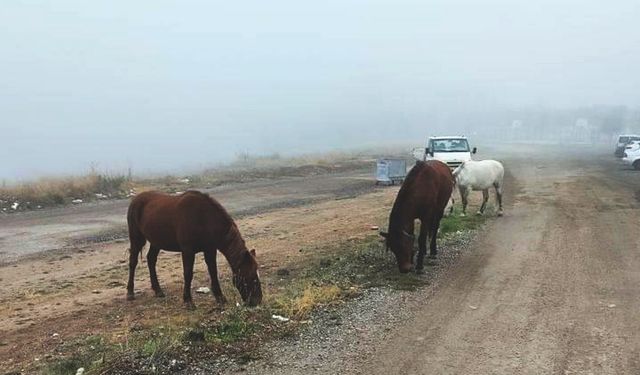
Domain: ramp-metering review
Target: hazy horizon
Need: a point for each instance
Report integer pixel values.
(161, 85)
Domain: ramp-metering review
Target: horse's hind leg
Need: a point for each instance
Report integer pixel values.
(210, 259)
(485, 199)
(152, 259)
(499, 198)
(422, 246)
(137, 243)
(464, 195)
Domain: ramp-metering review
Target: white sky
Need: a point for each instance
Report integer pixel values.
(164, 84)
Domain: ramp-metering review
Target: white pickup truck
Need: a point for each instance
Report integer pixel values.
(452, 150)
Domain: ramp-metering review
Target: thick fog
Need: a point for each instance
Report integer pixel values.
(162, 85)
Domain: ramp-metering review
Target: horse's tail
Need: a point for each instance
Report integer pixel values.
(136, 238)
(456, 171)
(128, 251)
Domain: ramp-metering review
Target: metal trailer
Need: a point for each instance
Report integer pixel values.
(390, 170)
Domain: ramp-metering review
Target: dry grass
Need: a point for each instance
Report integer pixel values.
(61, 190)
(311, 297)
(54, 191)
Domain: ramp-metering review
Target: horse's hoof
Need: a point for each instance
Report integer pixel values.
(221, 301)
(130, 297)
(160, 294)
(419, 271)
(463, 214)
(500, 213)
(479, 213)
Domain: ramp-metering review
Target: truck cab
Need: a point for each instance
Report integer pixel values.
(451, 150)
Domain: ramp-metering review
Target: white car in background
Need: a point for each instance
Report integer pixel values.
(623, 141)
(633, 146)
(631, 155)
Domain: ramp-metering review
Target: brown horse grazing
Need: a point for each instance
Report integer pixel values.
(424, 195)
(190, 223)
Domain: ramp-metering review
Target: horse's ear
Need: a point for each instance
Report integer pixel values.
(384, 234)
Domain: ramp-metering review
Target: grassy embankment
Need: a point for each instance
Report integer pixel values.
(57, 191)
(329, 277)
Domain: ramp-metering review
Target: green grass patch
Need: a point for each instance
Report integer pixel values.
(90, 352)
(238, 324)
(455, 223)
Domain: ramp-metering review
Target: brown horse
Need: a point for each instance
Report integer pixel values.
(190, 223)
(424, 195)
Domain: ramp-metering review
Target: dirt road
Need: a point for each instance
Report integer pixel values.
(29, 233)
(551, 288)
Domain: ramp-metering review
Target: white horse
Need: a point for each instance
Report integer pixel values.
(480, 175)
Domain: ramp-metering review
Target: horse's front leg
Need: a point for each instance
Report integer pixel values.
(433, 251)
(422, 247)
(188, 257)
(485, 199)
(210, 259)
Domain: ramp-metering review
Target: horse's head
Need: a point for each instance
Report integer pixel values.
(401, 245)
(247, 280)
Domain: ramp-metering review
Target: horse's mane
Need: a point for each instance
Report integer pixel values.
(215, 205)
(395, 219)
(232, 235)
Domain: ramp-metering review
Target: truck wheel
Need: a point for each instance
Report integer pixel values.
(636, 165)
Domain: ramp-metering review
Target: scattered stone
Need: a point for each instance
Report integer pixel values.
(15, 206)
(280, 318)
(375, 227)
(80, 371)
(203, 290)
(101, 196)
(473, 307)
(77, 201)
(96, 291)
(612, 305)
